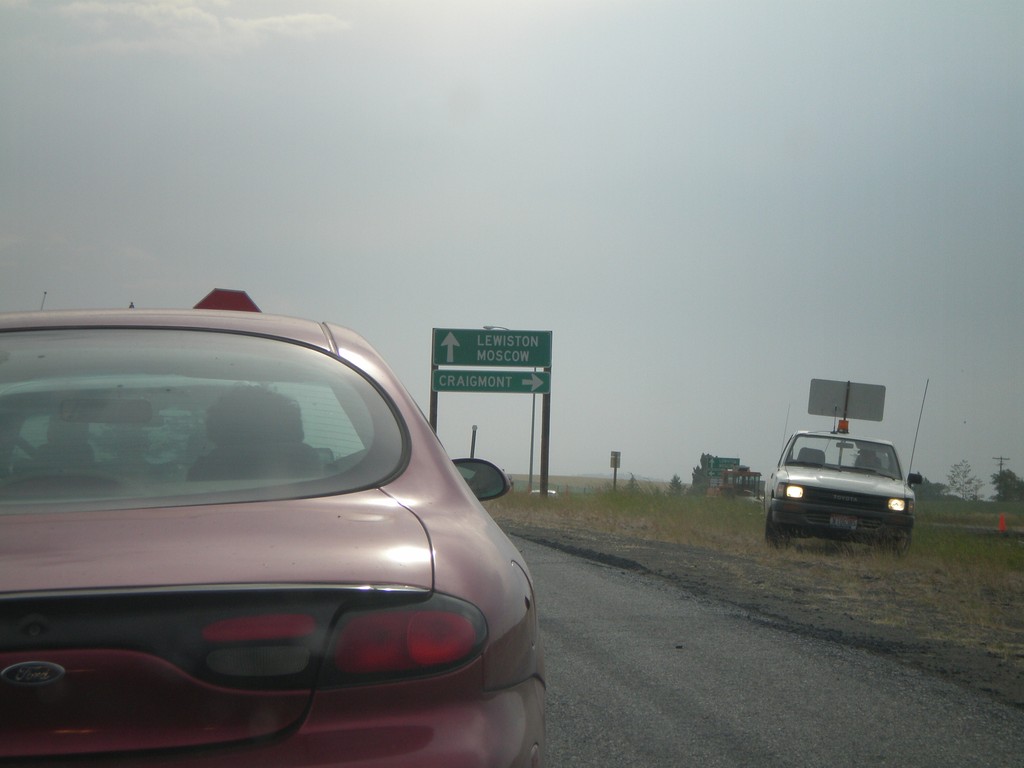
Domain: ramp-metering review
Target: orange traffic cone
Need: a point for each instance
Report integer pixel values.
(1002, 523)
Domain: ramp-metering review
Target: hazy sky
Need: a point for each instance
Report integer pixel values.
(708, 203)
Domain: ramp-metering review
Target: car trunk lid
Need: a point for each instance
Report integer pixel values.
(218, 639)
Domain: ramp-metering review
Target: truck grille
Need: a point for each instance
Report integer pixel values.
(840, 500)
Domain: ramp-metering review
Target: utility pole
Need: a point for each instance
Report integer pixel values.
(999, 484)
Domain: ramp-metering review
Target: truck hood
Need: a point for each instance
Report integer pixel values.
(851, 482)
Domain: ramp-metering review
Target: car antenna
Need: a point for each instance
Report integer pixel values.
(918, 430)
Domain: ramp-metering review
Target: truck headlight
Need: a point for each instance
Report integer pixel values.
(797, 492)
(897, 505)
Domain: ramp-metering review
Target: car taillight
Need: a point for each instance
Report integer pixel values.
(382, 638)
(435, 635)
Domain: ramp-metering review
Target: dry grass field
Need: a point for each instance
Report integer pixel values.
(955, 601)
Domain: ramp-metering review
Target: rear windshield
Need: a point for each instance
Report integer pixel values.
(104, 418)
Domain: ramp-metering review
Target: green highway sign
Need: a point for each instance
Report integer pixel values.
(496, 347)
(481, 350)
(716, 464)
(524, 382)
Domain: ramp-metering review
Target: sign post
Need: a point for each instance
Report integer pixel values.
(464, 359)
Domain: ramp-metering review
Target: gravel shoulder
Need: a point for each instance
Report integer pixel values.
(791, 596)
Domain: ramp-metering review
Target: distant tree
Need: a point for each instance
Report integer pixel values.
(675, 486)
(962, 482)
(928, 490)
(633, 486)
(1008, 486)
(700, 481)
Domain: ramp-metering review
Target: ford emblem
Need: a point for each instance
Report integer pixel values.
(32, 673)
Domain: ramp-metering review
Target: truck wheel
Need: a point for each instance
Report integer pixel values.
(774, 534)
(897, 543)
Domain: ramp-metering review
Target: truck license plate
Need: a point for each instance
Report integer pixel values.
(846, 522)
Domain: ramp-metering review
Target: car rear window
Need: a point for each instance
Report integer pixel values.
(103, 418)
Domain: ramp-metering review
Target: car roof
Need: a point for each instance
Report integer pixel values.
(246, 322)
(329, 337)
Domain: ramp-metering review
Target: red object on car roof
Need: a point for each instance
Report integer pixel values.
(227, 298)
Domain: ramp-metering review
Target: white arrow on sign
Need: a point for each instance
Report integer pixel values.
(451, 342)
(535, 382)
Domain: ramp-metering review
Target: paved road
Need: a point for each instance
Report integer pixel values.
(642, 674)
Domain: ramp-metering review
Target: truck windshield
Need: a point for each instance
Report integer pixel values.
(842, 453)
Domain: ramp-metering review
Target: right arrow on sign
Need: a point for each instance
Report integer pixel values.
(534, 382)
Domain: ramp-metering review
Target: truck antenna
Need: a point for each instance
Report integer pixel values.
(919, 415)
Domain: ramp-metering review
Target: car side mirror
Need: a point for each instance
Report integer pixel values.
(914, 478)
(485, 479)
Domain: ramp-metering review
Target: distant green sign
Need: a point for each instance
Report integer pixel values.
(524, 382)
(717, 464)
(497, 348)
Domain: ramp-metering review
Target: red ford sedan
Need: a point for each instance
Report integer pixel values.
(231, 539)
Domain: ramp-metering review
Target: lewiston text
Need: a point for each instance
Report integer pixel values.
(505, 347)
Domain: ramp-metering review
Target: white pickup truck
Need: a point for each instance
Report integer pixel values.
(833, 486)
